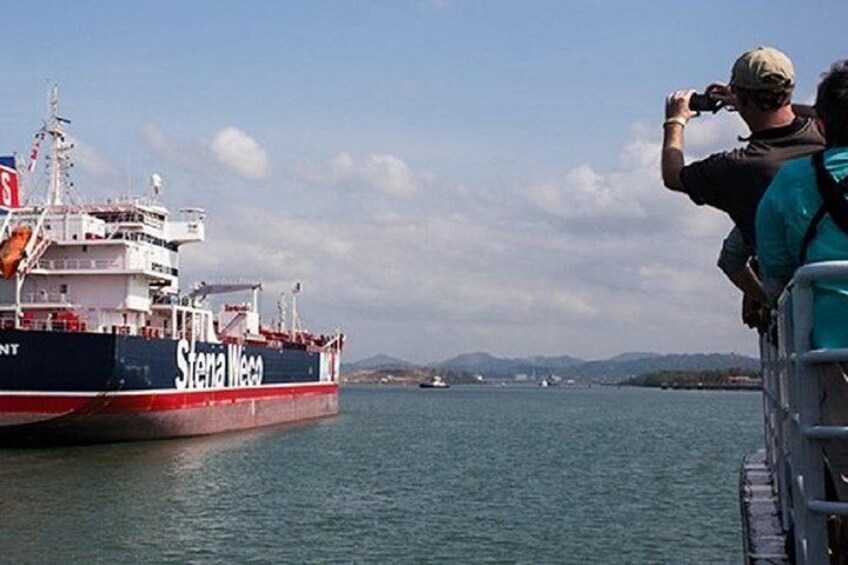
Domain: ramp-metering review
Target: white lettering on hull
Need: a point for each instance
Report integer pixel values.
(216, 370)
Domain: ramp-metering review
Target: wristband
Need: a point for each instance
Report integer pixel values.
(680, 121)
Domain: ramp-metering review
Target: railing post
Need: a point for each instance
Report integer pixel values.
(787, 423)
(811, 534)
(774, 416)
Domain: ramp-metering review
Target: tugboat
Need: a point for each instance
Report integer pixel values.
(98, 342)
(435, 382)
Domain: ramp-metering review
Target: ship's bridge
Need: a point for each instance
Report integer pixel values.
(189, 228)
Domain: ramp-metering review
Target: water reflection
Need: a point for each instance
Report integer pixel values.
(131, 498)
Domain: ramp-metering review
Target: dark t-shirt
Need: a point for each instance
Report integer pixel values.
(734, 181)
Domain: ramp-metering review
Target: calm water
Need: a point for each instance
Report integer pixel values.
(466, 475)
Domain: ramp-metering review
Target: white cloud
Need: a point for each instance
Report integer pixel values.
(186, 154)
(231, 148)
(93, 162)
(642, 150)
(667, 279)
(570, 304)
(240, 153)
(385, 173)
(710, 133)
(583, 194)
(156, 140)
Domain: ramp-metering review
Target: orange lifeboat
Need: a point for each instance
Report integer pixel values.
(12, 250)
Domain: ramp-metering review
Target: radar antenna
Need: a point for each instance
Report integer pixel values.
(295, 322)
(281, 312)
(155, 186)
(59, 161)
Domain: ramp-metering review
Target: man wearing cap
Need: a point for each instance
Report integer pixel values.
(760, 90)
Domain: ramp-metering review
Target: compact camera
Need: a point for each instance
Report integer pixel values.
(703, 103)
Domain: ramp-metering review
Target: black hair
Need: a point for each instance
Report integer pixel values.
(832, 104)
(766, 99)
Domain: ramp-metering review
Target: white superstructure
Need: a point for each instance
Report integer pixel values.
(111, 267)
(114, 267)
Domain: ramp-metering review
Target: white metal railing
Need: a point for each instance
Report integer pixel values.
(792, 387)
(122, 264)
(46, 298)
(80, 264)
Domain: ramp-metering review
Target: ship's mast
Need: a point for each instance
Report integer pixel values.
(281, 311)
(59, 160)
(295, 321)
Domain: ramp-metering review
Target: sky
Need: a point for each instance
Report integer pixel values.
(443, 176)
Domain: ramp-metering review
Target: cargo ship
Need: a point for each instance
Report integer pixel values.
(97, 341)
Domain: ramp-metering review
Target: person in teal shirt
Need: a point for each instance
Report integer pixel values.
(784, 241)
(792, 202)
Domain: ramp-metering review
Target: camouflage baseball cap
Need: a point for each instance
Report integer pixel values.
(763, 68)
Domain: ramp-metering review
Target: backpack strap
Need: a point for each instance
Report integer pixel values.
(812, 229)
(833, 202)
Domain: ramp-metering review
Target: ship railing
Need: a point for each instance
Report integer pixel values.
(55, 325)
(70, 323)
(335, 341)
(793, 373)
(46, 298)
(80, 264)
(130, 264)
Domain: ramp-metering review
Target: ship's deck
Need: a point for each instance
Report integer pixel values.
(763, 535)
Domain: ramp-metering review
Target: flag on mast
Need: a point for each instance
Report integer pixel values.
(33, 154)
(9, 196)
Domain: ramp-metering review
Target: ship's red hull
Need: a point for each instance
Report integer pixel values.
(38, 418)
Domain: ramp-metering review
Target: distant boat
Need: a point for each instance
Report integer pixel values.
(552, 380)
(435, 382)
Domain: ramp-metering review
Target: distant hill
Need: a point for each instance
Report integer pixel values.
(490, 366)
(612, 370)
(379, 363)
(617, 370)
(725, 379)
(632, 356)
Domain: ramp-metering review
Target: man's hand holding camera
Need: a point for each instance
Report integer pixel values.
(720, 96)
(677, 109)
(683, 105)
